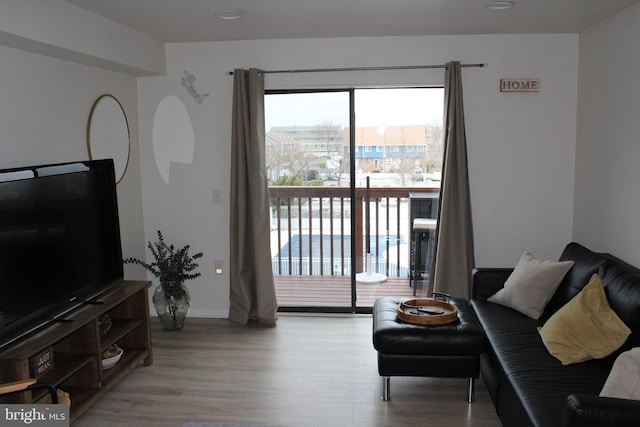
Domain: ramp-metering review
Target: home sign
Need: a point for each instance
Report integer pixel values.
(519, 85)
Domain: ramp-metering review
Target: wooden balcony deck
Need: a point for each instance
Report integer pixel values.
(335, 291)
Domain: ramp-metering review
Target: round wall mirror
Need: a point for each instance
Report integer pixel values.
(108, 133)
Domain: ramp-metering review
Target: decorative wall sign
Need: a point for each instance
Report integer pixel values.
(519, 85)
(187, 81)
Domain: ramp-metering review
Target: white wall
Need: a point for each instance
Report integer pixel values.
(607, 206)
(44, 109)
(58, 29)
(521, 146)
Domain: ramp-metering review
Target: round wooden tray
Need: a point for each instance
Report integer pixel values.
(427, 311)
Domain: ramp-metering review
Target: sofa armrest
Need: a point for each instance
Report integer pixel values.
(488, 281)
(595, 411)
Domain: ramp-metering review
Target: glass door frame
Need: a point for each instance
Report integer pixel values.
(353, 244)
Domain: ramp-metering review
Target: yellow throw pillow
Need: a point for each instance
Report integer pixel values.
(585, 328)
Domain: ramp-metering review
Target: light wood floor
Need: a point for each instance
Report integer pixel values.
(306, 371)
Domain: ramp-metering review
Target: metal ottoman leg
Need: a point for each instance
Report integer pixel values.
(471, 390)
(386, 388)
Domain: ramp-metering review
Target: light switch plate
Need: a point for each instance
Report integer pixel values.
(217, 196)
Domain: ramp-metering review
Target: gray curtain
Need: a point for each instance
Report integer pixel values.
(454, 255)
(252, 290)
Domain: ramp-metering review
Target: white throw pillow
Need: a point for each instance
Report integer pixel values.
(531, 285)
(624, 378)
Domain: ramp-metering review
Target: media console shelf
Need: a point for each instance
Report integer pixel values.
(78, 346)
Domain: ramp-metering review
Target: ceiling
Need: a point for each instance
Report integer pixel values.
(194, 20)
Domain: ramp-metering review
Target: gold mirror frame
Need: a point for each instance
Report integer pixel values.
(108, 133)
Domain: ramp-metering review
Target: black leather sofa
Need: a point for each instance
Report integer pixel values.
(528, 386)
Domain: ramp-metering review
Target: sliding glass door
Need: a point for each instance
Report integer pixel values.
(309, 173)
(398, 153)
(330, 230)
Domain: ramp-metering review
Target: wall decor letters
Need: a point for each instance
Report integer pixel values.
(519, 85)
(187, 81)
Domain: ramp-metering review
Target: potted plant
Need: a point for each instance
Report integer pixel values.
(172, 266)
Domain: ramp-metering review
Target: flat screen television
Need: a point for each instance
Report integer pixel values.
(59, 242)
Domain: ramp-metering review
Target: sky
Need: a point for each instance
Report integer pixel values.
(374, 107)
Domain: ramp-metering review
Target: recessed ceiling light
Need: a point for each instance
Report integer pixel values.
(500, 5)
(229, 15)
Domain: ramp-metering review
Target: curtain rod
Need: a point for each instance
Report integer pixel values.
(327, 70)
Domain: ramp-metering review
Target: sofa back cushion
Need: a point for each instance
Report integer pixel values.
(587, 263)
(621, 284)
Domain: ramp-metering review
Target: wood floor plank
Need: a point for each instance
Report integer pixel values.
(307, 371)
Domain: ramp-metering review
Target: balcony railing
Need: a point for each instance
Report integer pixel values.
(311, 231)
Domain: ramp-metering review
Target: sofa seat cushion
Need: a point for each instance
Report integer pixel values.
(539, 380)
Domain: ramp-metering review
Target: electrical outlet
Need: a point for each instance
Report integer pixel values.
(219, 267)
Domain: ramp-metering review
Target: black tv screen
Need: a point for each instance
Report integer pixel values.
(59, 241)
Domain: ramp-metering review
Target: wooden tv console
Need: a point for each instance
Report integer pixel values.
(77, 347)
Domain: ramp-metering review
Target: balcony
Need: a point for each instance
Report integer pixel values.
(311, 244)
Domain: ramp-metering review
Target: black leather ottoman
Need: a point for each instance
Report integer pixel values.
(451, 350)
